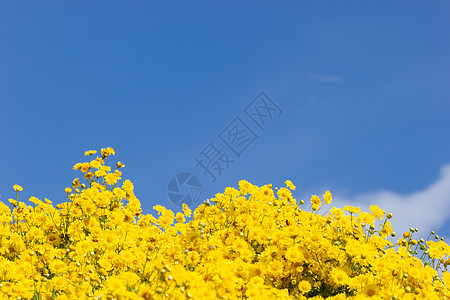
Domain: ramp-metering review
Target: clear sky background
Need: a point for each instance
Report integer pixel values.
(363, 89)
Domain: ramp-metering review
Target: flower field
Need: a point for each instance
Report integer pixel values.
(247, 243)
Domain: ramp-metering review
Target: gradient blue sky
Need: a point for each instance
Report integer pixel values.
(364, 89)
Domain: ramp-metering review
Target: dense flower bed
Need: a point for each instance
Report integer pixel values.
(252, 242)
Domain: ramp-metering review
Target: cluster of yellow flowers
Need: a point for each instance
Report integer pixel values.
(247, 243)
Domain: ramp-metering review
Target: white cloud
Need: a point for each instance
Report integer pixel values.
(326, 78)
(427, 209)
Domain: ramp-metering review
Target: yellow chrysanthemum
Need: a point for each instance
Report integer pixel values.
(377, 212)
(352, 209)
(304, 286)
(260, 246)
(17, 188)
(327, 197)
(315, 200)
(290, 185)
(90, 152)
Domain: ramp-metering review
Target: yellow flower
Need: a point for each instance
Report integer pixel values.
(387, 229)
(315, 200)
(290, 185)
(100, 173)
(130, 278)
(58, 266)
(128, 186)
(95, 164)
(105, 168)
(180, 217)
(377, 212)
(304, 286)
(186, 210)
(371, 290)
(437, 249)
(366, 218)
(337, 213)
(338, 276)
(76, 183)
(119, 193)
(111, 178)
(352, 209)
(108, 151)
(258, 247)
(84, 167)
(446, 277)
(293, 255)
(17, 188)
(120, 165)
(90, 152)
(166, 219)
(327, 197)
(13, 202)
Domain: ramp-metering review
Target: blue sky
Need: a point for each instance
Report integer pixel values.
(363, 89)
